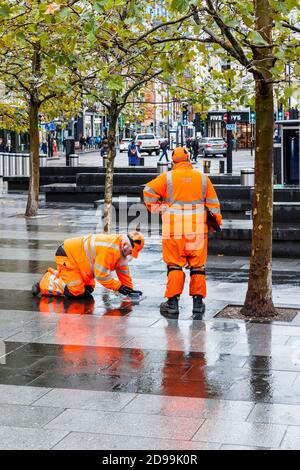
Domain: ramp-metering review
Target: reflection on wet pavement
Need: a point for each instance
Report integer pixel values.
(207, 383)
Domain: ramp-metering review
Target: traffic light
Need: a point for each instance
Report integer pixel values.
(252, 116)
(185, 115)
(294, 113)
(280, 114)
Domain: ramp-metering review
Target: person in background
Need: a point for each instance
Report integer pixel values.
(44, 147)
(104, 147)
(195, 148)
(164, 147)
(189, 147)
(133, 155)
(2, 145)
(82, 142)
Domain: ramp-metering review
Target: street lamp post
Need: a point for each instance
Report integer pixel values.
(229, 143)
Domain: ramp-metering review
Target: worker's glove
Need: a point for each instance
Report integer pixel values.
(88, 289)
(136, 292)
(125, 290)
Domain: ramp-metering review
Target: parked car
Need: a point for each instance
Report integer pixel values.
(124, 145)
(148, 143)
(212, 146)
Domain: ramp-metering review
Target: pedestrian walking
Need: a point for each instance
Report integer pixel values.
(195, 149)
(189, 147)
(164, 147)
(184, 196)
(82, 142)
(104, 147)
(2, 145)
(44, 148)
(133, 154)
(83, 260)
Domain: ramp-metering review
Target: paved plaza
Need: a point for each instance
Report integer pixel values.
(241, 159)
(108, 373)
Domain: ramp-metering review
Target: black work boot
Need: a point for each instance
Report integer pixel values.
(35, 289)
(170, 309)
(198, 306)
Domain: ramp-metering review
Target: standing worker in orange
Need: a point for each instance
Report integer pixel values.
(183, 197)
(82, 260)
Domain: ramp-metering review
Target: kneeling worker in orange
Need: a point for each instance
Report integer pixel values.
(82, 260)
(182, 196)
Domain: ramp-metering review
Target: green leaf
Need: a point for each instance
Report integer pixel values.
(5, 10)
(257, 39)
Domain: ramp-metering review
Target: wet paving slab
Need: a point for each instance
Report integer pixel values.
(203, 384)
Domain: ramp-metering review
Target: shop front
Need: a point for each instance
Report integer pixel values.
(215, 126)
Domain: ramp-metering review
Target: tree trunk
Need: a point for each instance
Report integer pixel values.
(108, 194)
(34, 144)
(258, 300)
(34, 180)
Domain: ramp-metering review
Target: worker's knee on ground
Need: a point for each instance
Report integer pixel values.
(198, 281)
(73, 293)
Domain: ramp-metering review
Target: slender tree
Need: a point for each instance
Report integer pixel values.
(255, 34)
(36, 50)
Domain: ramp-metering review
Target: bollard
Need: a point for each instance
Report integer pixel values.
(170, 166)
(104, 161)
(206, 166)
(12, 164)
(141, 161)
(6, 164)
(222, 166)
(19, 158)
(74, 159)
(1, 165)
(43, 160)
(25, 164)
(162, 167)
(247, 177)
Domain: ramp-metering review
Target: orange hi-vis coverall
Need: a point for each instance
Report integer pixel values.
(88, 258)
(182, 196)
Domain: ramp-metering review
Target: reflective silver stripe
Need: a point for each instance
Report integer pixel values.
(58, 287)
(104, 278)
(85, 246)
(185, 203)
(212, 201)
(204, 182)
(151, 191)
(214, 210)
(109, 245)
(121, 269)
(170, 186)
(148, 199)
(92, 245)
(185, 212)
(73, 283)
(101, 269)
(51, 283)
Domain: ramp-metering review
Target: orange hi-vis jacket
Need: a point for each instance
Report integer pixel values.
(182, 195)
(96, 256)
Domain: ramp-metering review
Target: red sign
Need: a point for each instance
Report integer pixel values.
(287, 115)
(225, 117)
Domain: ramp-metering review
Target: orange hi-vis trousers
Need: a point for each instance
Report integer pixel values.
(54, 282)
(188, 252)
